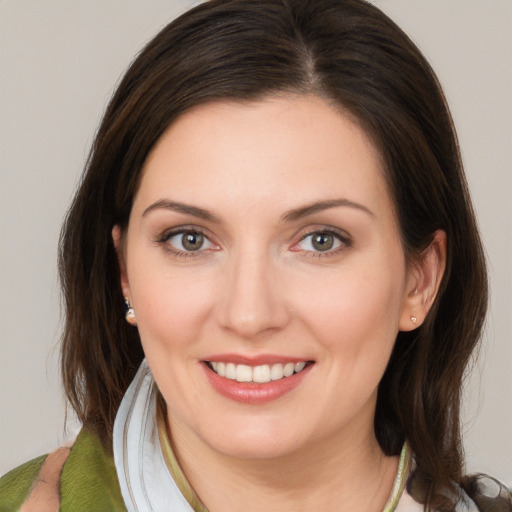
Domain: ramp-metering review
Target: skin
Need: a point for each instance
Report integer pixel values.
(259, 286)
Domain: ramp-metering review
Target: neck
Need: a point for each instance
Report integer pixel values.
(356, 475)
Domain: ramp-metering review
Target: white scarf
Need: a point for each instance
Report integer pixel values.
(146, 484)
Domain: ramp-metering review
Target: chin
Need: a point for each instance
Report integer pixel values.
(252, 442)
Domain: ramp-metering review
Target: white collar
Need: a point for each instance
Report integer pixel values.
(145, 481)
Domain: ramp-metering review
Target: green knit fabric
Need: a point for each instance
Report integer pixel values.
(15, 486)
(88, 480)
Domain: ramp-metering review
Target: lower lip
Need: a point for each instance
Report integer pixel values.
(252, 392)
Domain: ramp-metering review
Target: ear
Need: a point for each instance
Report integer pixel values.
(423, 283)
(118, 239)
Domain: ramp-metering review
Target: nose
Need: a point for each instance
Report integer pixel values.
(253, 301)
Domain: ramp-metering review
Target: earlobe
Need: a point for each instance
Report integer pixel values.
(423, 284)
(117, 238)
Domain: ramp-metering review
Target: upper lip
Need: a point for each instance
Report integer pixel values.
(255, 360)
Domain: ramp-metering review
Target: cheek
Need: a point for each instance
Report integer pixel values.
(173, 311)
(171, 306)
(354, 321)
(354, 311)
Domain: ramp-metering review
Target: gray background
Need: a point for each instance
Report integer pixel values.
(59, 62)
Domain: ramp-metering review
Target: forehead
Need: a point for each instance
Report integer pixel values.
(281, 150)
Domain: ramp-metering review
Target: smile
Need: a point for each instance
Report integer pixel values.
(258, 374)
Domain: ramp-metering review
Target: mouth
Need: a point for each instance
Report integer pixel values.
(260, 374)
(256, 380)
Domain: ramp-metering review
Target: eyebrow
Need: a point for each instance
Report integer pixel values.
(319, 206)
(182, 208)
(290, 216)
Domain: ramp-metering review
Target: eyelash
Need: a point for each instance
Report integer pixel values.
(165, 237)
(343, 239)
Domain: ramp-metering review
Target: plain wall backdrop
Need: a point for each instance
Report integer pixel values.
(59, 62)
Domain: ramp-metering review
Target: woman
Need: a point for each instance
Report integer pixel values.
(272, 275)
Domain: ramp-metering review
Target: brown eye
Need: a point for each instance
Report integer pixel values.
(322, 241)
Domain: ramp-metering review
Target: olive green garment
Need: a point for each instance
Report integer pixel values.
(15, 485)
(88, 480)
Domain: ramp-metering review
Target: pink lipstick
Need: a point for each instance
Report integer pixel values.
(255, 380)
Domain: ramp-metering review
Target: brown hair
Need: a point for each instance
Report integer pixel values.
(350, 53)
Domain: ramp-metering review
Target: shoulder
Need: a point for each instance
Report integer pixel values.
(16, 485)
(89, 478)
(82, 477)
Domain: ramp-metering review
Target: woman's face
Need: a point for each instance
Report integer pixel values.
(262, 241)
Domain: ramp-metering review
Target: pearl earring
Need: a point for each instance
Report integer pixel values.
(130, 313)
(414, 319)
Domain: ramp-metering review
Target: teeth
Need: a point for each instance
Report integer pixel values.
(288, 370)
(276, 372)
(260, 374)
(243, 373)
(230, 371)
(299, 367)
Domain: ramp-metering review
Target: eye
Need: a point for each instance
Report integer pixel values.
(322, 242)
(188, 241)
